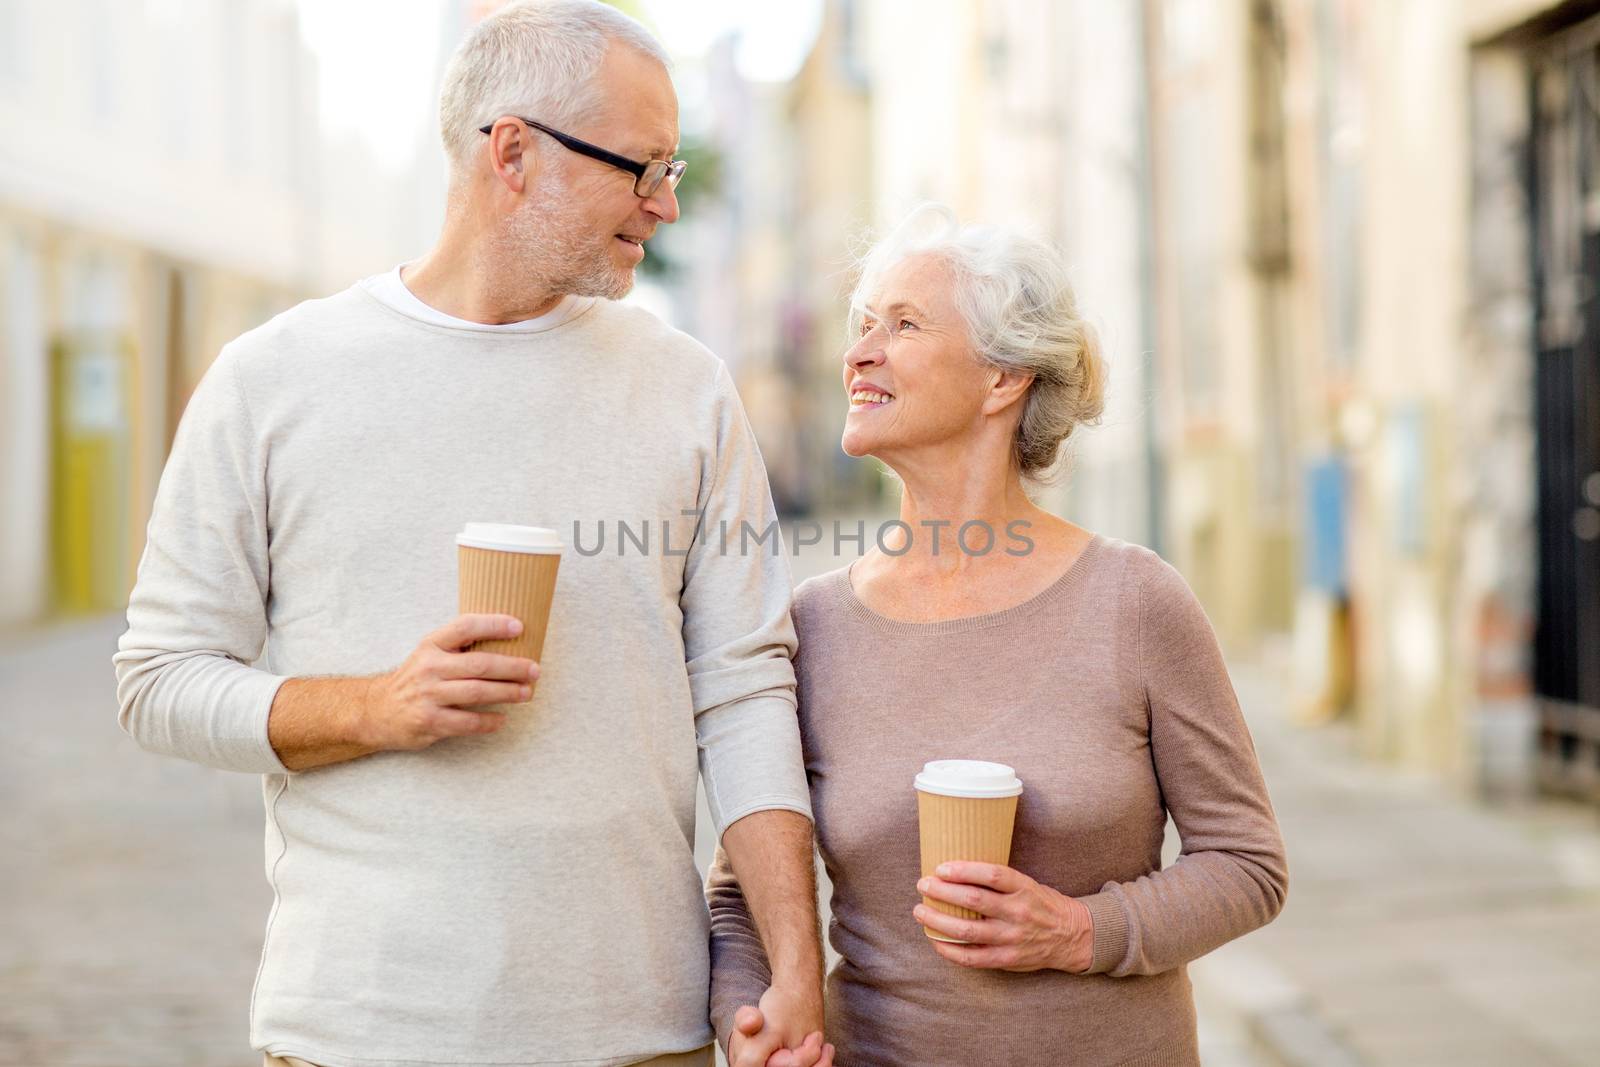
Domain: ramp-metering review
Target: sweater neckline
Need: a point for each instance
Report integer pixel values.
(858, 609)
(578, 314)
(391, 290)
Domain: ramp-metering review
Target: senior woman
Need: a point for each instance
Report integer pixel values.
(1082, 661)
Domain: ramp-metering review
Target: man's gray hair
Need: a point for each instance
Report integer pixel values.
(536, 59)
(1016, 300)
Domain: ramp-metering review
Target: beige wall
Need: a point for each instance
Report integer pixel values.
(926, 112)
(142, 140)
(1098, 174)
(1416, 168)
(1227, 524)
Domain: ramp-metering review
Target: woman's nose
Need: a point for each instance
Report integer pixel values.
(866, 352)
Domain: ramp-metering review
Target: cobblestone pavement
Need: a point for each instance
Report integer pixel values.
(1422, 928)
(133, 900)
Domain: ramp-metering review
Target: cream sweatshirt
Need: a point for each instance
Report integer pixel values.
(526, 897)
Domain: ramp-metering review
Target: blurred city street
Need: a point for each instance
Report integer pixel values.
(1421, 929)
(1343, 261)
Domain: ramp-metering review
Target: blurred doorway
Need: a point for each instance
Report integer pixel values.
(91, 362)
(1565, 186)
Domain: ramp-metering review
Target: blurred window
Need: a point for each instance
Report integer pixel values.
(1189, 29)
(98, 32)
(237, 57)
(169, 29)
(24, 430)
(1187, 88)
(852, 44)
(13, 57)
(1339, 107)
(1192, 192)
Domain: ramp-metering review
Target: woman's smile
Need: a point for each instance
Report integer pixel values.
(866, 398)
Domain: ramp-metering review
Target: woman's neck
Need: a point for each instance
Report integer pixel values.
(958, 516)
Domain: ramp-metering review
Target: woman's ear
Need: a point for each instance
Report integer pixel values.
(1005, 388)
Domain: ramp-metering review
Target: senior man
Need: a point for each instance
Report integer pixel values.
(462, 875)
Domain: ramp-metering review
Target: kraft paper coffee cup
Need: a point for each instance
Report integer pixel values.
(509, 570)
(966, 810)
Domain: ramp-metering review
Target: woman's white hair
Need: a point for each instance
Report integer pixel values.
(1014, 296)
(536, 58)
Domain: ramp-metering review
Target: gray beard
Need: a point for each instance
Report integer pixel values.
(549, 242)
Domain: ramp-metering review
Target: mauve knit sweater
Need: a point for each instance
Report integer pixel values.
(1108, 694)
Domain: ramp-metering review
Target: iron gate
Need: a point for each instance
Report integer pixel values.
(1565, 184)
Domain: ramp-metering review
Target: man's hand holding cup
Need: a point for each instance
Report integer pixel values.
(460, 678)
(427, 697)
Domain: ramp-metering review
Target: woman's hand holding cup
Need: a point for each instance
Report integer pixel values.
(1025, 926)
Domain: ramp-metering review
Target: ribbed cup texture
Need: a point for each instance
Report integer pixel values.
(963, 828)
(510, 583)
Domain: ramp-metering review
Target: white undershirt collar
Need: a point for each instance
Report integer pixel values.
(392, 292)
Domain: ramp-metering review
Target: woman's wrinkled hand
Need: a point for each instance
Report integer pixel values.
(1024, 926)
(753, 1044)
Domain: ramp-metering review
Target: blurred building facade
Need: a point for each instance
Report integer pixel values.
(164, 187)
(1343, 256)
(1377, 424)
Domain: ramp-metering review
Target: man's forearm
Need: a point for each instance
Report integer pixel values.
(436, 693)
(313, 721)
(771, 854)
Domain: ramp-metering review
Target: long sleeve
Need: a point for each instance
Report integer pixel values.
(1231, 876)
(737, 634)
(197, 615)
(740, 972)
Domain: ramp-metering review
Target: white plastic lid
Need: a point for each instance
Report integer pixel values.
(504, 537)
(968, 778)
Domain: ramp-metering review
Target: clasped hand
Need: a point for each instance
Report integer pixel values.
(771, 1035)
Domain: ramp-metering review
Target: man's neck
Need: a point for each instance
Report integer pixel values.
(460, 281)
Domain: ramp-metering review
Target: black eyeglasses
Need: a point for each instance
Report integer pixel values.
(647, 176)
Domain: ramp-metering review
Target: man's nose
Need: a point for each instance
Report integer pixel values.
(663, 203)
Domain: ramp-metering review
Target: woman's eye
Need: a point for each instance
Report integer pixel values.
(906, 324)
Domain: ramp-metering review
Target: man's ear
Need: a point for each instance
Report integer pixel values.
(510, 158)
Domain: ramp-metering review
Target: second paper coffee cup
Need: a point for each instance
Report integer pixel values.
(509, 570)
(966, 810)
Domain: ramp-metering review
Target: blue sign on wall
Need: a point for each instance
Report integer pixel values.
(1327, 503)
